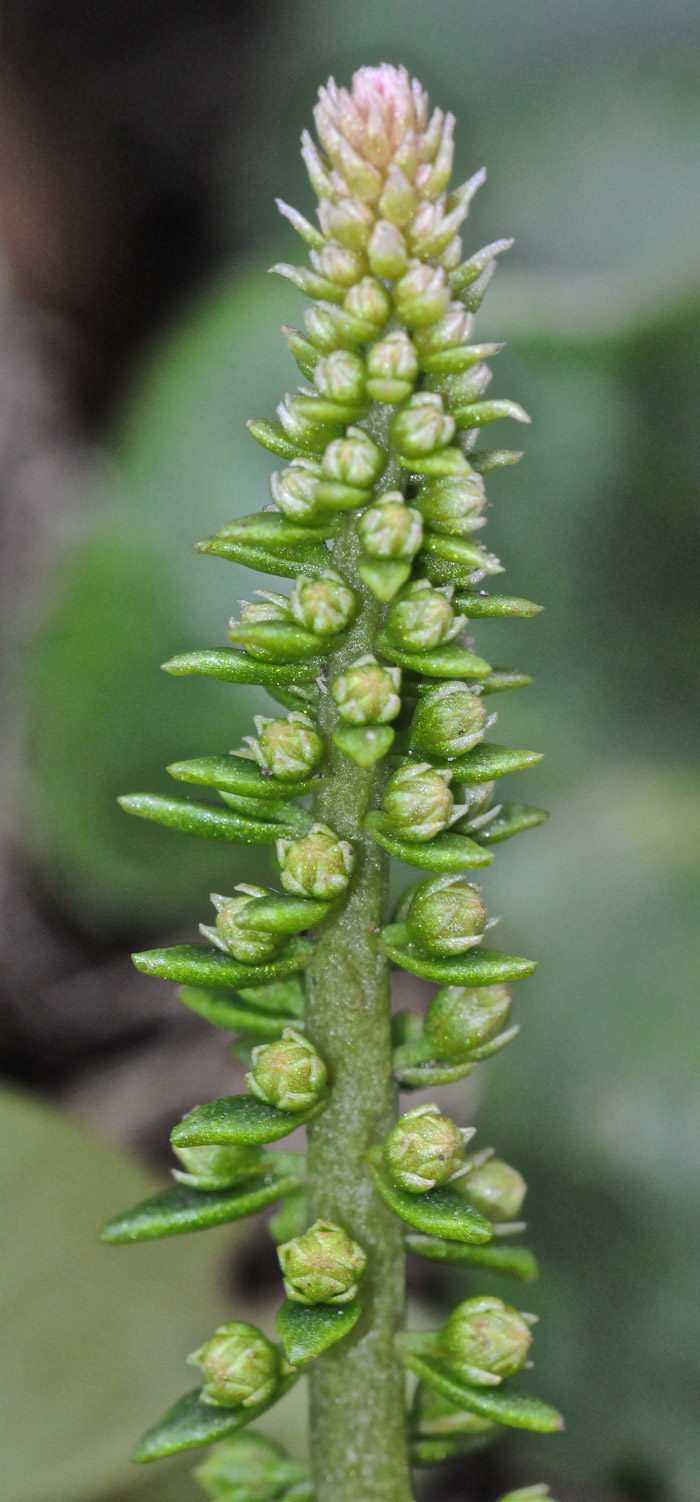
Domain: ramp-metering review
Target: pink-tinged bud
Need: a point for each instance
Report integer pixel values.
(375, 115)
(340, 376)
(348, 221)
(367, 694)
(294, 490)
(422, 617)
(421, 295)
(422, 426)
(338, 263)
(398, 201)
(387, 251)
(446, 916)
(390, 528)
(354, 460)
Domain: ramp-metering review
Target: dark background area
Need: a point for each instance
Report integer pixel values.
(141, 148)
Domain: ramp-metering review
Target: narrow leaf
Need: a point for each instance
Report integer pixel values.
(500, 679)
(424, 1076)
(191, 1423)
(514, 818)
(237, 774)
(477, 967)
(235, 667)
(239, 1118)
(445, 852)
(218, 1008)
(435, 1450)
(480, 605)
(460, 550)
(308, 1329)
(439, 1212)
(204, 819)
(515, 1409)
(271, 436)
(512, 1261)
(202, 965)
(283, 641)
(442, 662)
(485, 460)
(487, 761)
(277, 996)
(272, 529)
(282, 915)
(181, 1209)
(268, 560)
(479, 413)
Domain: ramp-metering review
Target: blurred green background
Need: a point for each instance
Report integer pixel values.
(588, 117)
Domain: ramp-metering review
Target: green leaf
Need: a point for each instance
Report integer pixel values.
(439, 1212)
(481, 605)
(514, 818)
(271, 529)
(484, 460)
(501, 679)
(271, 436)
(476, 967)
(443, 662)
(278, 996)
(423, 1076)
(204, 819)
(445, 852)
(202, 965)
(460, 550)
(191, 1423)
(442, 569)
(236, 667)
(237, 774)
(239, 1118)
(477, 414)
(516, 1410)
(182, 1209)
(312, 562)
(512, 1261)
(218, 1008)
(282, 641)
(308, 1329)
(487, 761)
(364, 744)
(282, 915)
(435, 1450)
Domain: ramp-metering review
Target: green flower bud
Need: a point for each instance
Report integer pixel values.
(496, 1189)
(288, 1073)
(452, 327)
(485, 1335)
(453, 504)
(319, 865)
(290, 749)
(340, 376)
(243, 944)
(240, 1366)
(248, 1468)
(398, 200)
(300, 428)
(339, 264)
(269, 607)
(322, 1266)
(421, 426)
(387, 251)
(459, 1020)
(294, 490)
(354, 460)
(367, 694)
(447, 721)
(370, 301)
(392, 367)
(348, 221)
(324, 605)
(390, 528)
(424, 1149)
(217, 1167)
(446, 916)
(435, 1414)
(421, 295)
(421, 617)
(418, 801)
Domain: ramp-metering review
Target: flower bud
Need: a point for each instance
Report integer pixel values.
(486, 1335)
(243, 944)
(348, 221)
(370, 301)
(424, 1149)
(446, 916)
(459, 1020)
(269, 607)
(340, 376)
(319, 865)
(452, 328)
(353, 460)
(300, 428)
(217, 1167)
(248, 1468)
(339, 264)
(392, 367)
(421, 426)
(239, 1366)
(418, 801)
(294, 490)
(447, 721)
(367, 694)
(390, 528)
(421, 617)
(398, 199)
(387, 251)
(496, 1189)
(290, 749)
(288, 1073)
(453, 504)
(421, 295)
(324, 605)
(322, 1266)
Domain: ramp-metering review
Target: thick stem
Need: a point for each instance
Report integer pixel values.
(358, 1432)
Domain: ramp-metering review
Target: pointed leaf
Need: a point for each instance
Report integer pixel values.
(202, 965)
(440, 1212)
(364, 744)
(443, 662)
(271, 436)
(204, 819)
(310, 561)
(501, 679)
(514, 818)
(484, 460)
(477, 414)
(237, 774)
(308, 1329)
(434, 1450)
(183, 1209)
(239, 1118)
(282, 915)
(512, 1261)
(282, 641)
(278, 996)
(445, 852)
(424, 1076)
(477, 967)
(271, 529)
(441, 570)
(501, 1405)
(478, 606)
(235, 667)
(488, 761)
(191, 1423)
(218, 1008)
(460, 550)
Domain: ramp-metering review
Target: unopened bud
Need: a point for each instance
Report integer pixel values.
(418, 801)
(289, 749)
(370, 301)
(485, 1335)
(339, 264)
(422, 426)
(294, 490)
(322, 1266)
(325, 605)
(459, 1020)
(300, 428)
(288, 1073)
(424, 1149)
(390, 528)
(452, 328)
(217, 1167)
(240, 1366)
(398, 199)
(421, 617)
(340, 376)
(496, 1189)
(243, 944)
(348, 221)
(421, 295)
(446, 916)
(354, 460)
(367, 694)
(387, 251)
(392, 367)
(447, 721)
(319, 865)
(454, 504)
(248, 1468)
(269, 607)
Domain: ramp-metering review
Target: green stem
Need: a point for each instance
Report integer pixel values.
(358, 1436)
